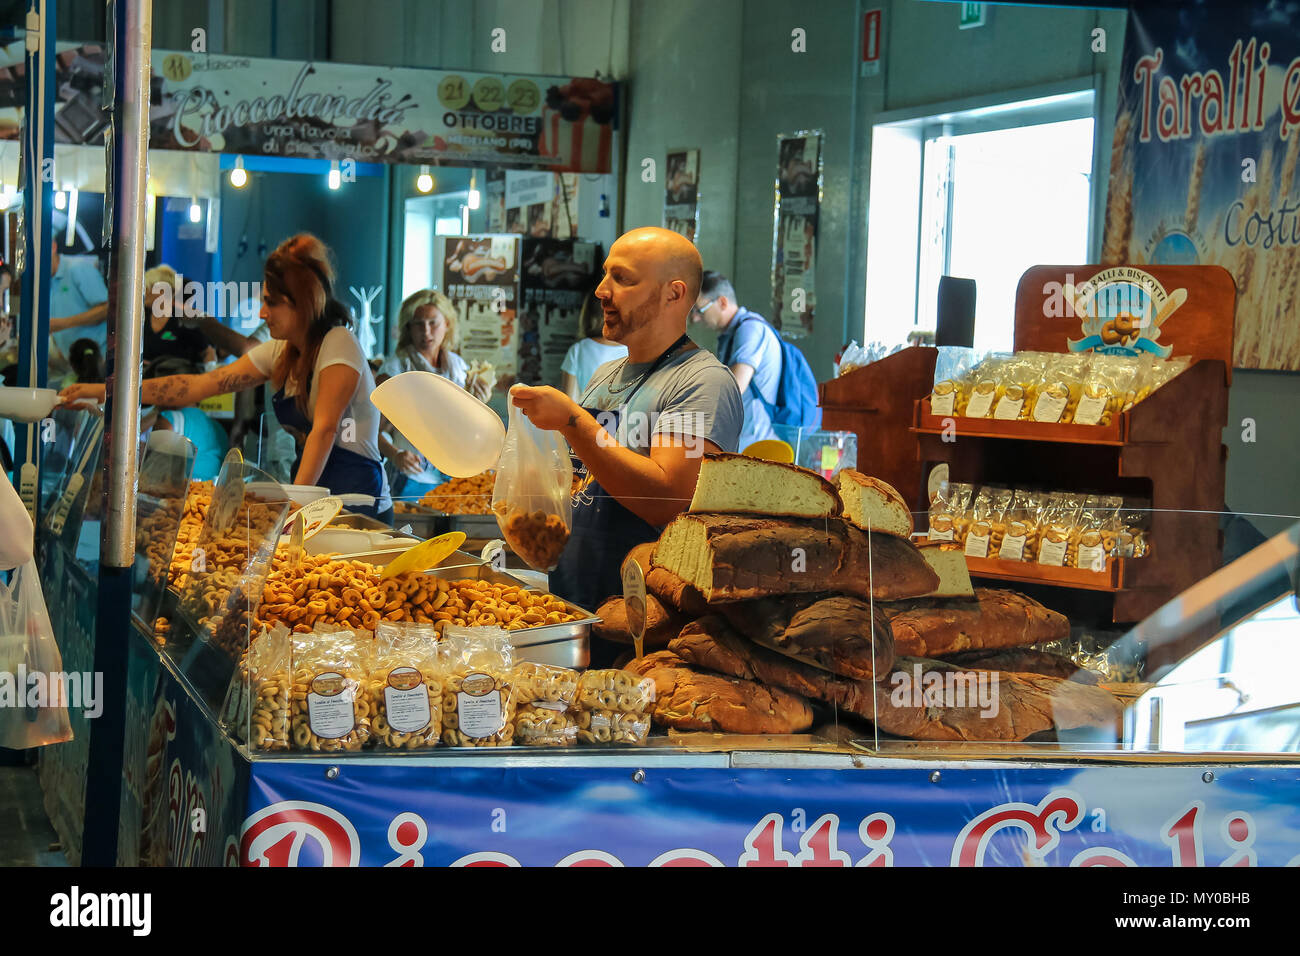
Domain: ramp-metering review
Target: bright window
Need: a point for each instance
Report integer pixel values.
(981, 193)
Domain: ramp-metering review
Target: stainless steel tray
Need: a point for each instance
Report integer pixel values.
(475, 526)
(346, 519)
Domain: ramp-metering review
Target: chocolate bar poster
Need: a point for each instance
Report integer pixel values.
(682, 192)
(257, 106)
(1204, 158)
(541, 205)
(556, 277)
(794, 238)
(481, 277)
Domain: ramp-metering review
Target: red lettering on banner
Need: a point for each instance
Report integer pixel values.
(1059, 810)
(819, 846)
(1238, 830)
(686, 858)
(1147, 65)
(763, 844)
(876, 831)
(486, 858)
(274, 836)
(1183, 836)
(1101, 856)
(590, 858)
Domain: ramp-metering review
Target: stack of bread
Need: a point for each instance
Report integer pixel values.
(777, 591)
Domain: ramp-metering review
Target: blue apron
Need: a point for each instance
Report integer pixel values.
(603, 531)
(345, 471)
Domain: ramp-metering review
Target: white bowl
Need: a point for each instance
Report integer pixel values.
(27, 404)
(458, 434)
(304, 494)
(337, 541)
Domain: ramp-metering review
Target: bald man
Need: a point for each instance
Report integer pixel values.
(644, 423)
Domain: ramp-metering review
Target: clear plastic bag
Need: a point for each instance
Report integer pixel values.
(544, 714)
(532, 497)
(614, 707)
(329, 709)
(478, 705)
(28, 648)
(405, 687)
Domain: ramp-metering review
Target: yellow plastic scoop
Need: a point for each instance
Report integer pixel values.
(425, 555)
(773, 449)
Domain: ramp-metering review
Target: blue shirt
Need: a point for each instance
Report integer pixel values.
(210, 440)
(754, 344)
(74, 288)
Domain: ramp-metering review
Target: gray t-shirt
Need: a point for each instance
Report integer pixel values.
(691, 395)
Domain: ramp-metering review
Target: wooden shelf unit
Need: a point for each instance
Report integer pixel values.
(1167, 448)
(877, 403)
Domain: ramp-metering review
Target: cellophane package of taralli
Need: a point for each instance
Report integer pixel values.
(1056, 396)
(329, 708)
(532, 497)
(478, 704)
(988, 514)
(405, 687)
(614, 707)
(1108, 389)
(980, 388)
(544, 711)
(1058, 529)
(1020, 537)
(267, 667)
(941, 514)
(1018, 385)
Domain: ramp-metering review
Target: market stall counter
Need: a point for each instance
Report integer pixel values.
(270, 727)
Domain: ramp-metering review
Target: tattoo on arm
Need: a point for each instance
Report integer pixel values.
(234, 382)
(573, 420)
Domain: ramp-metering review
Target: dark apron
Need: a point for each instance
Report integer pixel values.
(345, 471)
(603, 531)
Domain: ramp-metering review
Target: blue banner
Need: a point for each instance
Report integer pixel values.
(1203, 163)
(424, 815)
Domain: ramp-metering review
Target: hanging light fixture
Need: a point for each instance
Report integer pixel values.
(424, 181)
(60, 200)
(335, 177)
(238, 175)
(196, 214)
(474, 197)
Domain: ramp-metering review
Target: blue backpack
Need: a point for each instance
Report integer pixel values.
(796, 390)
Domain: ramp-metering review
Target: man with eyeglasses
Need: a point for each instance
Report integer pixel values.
(750, 349)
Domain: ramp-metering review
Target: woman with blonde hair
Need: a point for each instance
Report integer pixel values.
(426, 341)
(317, 368)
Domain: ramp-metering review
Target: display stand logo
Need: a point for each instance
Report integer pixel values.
(1121, 311)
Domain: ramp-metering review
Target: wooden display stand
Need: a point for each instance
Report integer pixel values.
(877, 402)
(1167, 448)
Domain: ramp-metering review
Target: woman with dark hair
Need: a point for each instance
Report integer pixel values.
(87, 361)
(321, 379)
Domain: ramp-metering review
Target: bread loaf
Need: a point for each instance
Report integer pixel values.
(673, 592)
(910, 704)
(737, 558)
(642, 554)
(838, 633)
(689, 700)
(873, 505)
(947, 561)
(662, 623)
(996, 618)
(1024, 660)
(738, 484)
(918, 701)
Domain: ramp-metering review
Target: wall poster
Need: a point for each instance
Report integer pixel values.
(794, 237)
(682, 192)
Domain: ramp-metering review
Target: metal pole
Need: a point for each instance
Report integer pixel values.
(131, 25)
(37, 161)
(128, 175)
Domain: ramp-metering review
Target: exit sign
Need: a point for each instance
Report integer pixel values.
(972, 15)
